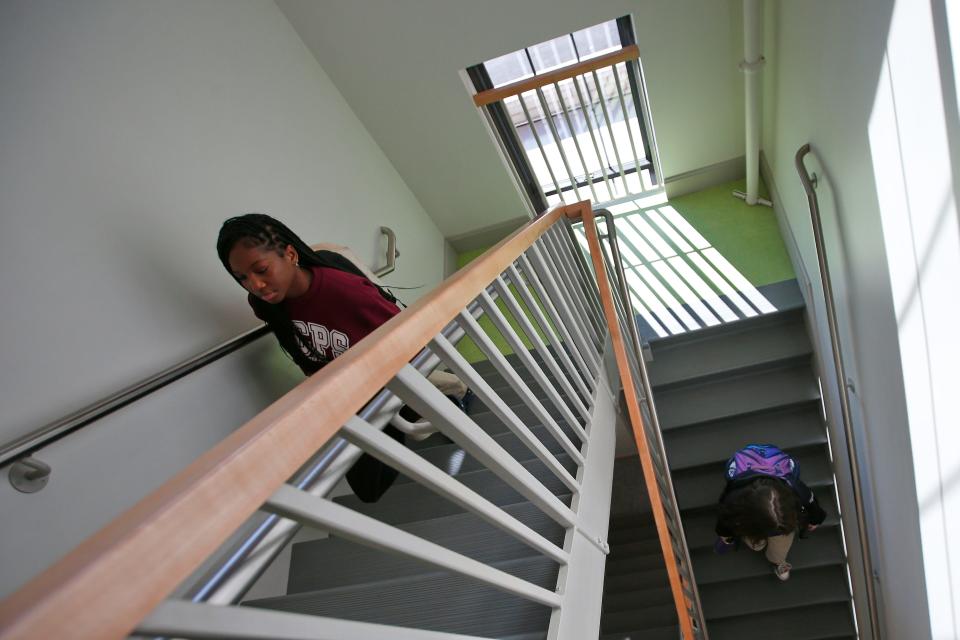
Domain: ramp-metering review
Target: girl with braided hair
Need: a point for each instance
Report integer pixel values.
(764, 504)
(317, 304)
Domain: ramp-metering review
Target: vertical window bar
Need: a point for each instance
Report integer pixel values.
(504, 128)
(588, 177)
(606, 117)
(596, 147)
(635, 76)
(536, 136)
(548, 116)
(626, 122)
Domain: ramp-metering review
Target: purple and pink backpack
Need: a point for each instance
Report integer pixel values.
(762, 460)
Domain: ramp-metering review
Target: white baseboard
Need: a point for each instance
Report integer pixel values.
(705, 177)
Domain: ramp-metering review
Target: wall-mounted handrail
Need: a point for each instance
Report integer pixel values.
(684, 605)
(629, 52)
(392, 253)
(58, 429)
(827, 284)
(118, 576)
(28, 443)
(652, 412)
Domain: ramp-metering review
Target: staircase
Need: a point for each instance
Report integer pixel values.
(716, 390)
(337, 578)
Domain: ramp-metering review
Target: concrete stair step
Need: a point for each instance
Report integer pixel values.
(701, 355)
(701, 486)
(821, 548)
(335, 562)
(752, 596)
(454, 460)
(411, 502)
(639, 617)
(439, 602)
(671, 632)
(698, 524)
(790, 428)
(816, 622)
(737, 395)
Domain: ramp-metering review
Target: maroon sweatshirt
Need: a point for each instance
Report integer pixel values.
(338, 310)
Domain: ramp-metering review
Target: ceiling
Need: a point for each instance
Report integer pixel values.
(398, 65)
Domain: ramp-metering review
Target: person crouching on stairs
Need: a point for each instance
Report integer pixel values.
(318, 304)
(764, 504)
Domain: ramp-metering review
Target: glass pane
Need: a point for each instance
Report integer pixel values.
(552, 54)
(509, 68)
(597, 40)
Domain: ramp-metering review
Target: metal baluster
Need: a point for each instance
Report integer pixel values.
(584, 384)
(562, 263)
(575, 349)
(500, 322)
(459, 365)
(505, 369)
(514, 308)
(587, 345)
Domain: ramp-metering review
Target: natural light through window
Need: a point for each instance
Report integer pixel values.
(677, 281)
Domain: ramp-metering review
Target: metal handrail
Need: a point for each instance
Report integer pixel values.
(652, 410)
(825, 281)
(213, 586)
(49, 433)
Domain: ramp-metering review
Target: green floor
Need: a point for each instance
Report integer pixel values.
(747, 236)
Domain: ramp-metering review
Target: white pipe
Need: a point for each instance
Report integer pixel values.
(751, 66)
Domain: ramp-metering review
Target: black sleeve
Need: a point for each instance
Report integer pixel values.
(810, 510)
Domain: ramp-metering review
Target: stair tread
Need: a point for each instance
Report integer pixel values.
(333, 561)
(701, 486)
(790, 428)
(833, 620)
(698, 525)
(750, 596)
(657, 615)
(410, 502)
(671, 632)
(451, 457)
(783, 337)
(736, 395)
(439, 602)
(821, 548)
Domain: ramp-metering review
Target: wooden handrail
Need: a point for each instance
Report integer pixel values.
(629, 52)
(104, 587)
(636, 421)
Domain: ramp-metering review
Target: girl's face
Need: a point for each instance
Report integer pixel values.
(265, 273)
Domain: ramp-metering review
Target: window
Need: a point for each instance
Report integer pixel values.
(576, 135)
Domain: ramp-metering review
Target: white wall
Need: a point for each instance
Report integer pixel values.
(129, 130)
(865, 84)
(398, 64)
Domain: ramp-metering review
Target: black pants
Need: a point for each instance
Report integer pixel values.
(368, 477)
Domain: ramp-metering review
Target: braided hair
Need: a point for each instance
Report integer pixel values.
(263, 231)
